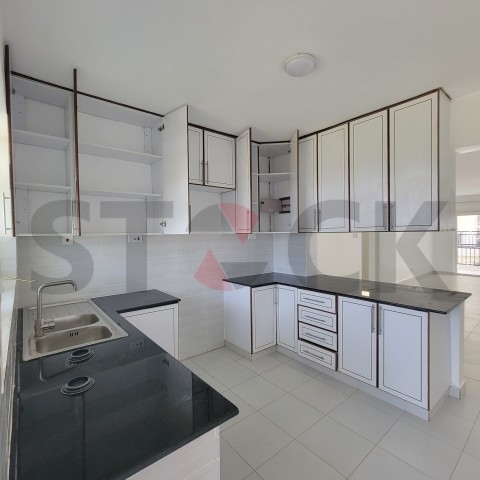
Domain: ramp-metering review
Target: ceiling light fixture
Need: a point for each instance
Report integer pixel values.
(300, 64)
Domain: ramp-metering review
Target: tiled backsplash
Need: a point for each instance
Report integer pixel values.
(187, 266)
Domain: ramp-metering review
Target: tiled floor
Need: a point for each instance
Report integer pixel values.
(296, 424)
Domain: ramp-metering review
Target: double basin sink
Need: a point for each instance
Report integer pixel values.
(72, 325)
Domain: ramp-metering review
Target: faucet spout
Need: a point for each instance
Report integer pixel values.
(41, 288)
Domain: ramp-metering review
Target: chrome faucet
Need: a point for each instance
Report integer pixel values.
(41, 288)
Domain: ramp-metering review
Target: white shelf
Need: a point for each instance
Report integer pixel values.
(119, 154)
(273, 177)
(40, 187)
(40, 140)
(137, 195)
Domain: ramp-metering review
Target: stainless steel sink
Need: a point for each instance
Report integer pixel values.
(76, 325)
(73, 321)
(71, 338)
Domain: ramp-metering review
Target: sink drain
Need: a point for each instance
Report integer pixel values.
(80, 355)
(78, 385)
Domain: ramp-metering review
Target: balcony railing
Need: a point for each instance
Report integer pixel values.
(468, 248)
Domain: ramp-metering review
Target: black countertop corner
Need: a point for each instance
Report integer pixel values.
(418, 298)
(144, 405)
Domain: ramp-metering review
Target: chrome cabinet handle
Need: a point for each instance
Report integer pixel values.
(380, 324)
(313, 355)
(392, 216)
(206, 172)
(314, 300)
(385, 220)
(323, 339)
(315, 319)
(373, 318)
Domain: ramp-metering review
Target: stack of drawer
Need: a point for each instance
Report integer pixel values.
(317, 327)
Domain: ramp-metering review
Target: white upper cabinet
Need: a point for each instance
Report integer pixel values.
(414, 164)
(195, 155)
(219, 160)
(369, 173)
(307, 184)
(43, 158)
(333, 214)
(294, 183)
(243, 192)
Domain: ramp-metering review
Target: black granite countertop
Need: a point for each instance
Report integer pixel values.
(144, 405)
(417, 298)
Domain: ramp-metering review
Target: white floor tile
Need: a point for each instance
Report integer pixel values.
(258, 392)
(256, 439)
(381, 405)
(253, 476)
(260, 365)
(286, 377)
(473, 444)
(193, 367)
(472, 388)
(211, 360)
(230, 353)
(341, 448)
(319, 395)
(232, 465)
(424, 452)
(244, 407)
(337, 384)
(466, 408)
(468, 468)
(213, 382)
(301, 367)
(363, 419)
(296, 462)
(444, 426)
(280, 357)
(232, 374)
(381, 465)
(291, 415)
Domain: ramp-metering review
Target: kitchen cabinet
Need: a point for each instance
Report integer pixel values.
(403, 353)
(307, 184)
(243, 192)
(195, 155)
(133, 168)
(42, 136)
(357, 338)
(332, 174)
(264, 324)
(286, 317)
(369, 173)
(219, 160)
(414, 171)
(160, 324)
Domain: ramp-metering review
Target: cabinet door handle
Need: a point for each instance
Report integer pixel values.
(314, 218)
(314, 300)
(315, 319)
(202, 166)
(323, 339)
(380, 324)
(385, 219)
(392, 216)
(373, 318)
(313, 355)
(206, 172)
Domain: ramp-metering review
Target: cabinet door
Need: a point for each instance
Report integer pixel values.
(287, 317)
(264, 323)
(175, 172)
(7, 223)
(369, 173)
(414, 164)
(219, 160)
(333, 207)
(243, 192)
(357, 339)
(403, 354)
(160, 325)
(195, 155)
(294, 183)
(307, 184)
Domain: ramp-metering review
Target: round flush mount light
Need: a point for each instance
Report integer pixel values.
(300, 64)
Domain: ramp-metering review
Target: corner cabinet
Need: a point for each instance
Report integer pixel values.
(307, 184)
(287, 329)
(159, 324)
(264, 324)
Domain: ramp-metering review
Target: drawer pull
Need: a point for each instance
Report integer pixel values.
(314, 336)
(315, 319)
(313, 355)
(322, 302)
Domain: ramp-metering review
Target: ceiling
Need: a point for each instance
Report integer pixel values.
(225, 58)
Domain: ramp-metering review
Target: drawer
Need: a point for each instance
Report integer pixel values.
(318, 336)
(325, 320)
(323, 301)
(318, 355)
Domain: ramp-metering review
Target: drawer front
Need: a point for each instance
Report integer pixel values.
(323, 301)
(318, 336)
(317, 318)
(318, 355)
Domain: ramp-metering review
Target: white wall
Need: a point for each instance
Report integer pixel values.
(465, 120)
(180, 265)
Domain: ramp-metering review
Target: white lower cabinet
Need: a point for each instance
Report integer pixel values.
(357, 351)
(403, 353)
(264, 316)
(286, 321)
(160, 324)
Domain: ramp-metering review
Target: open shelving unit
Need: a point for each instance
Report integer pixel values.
(43, 150)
